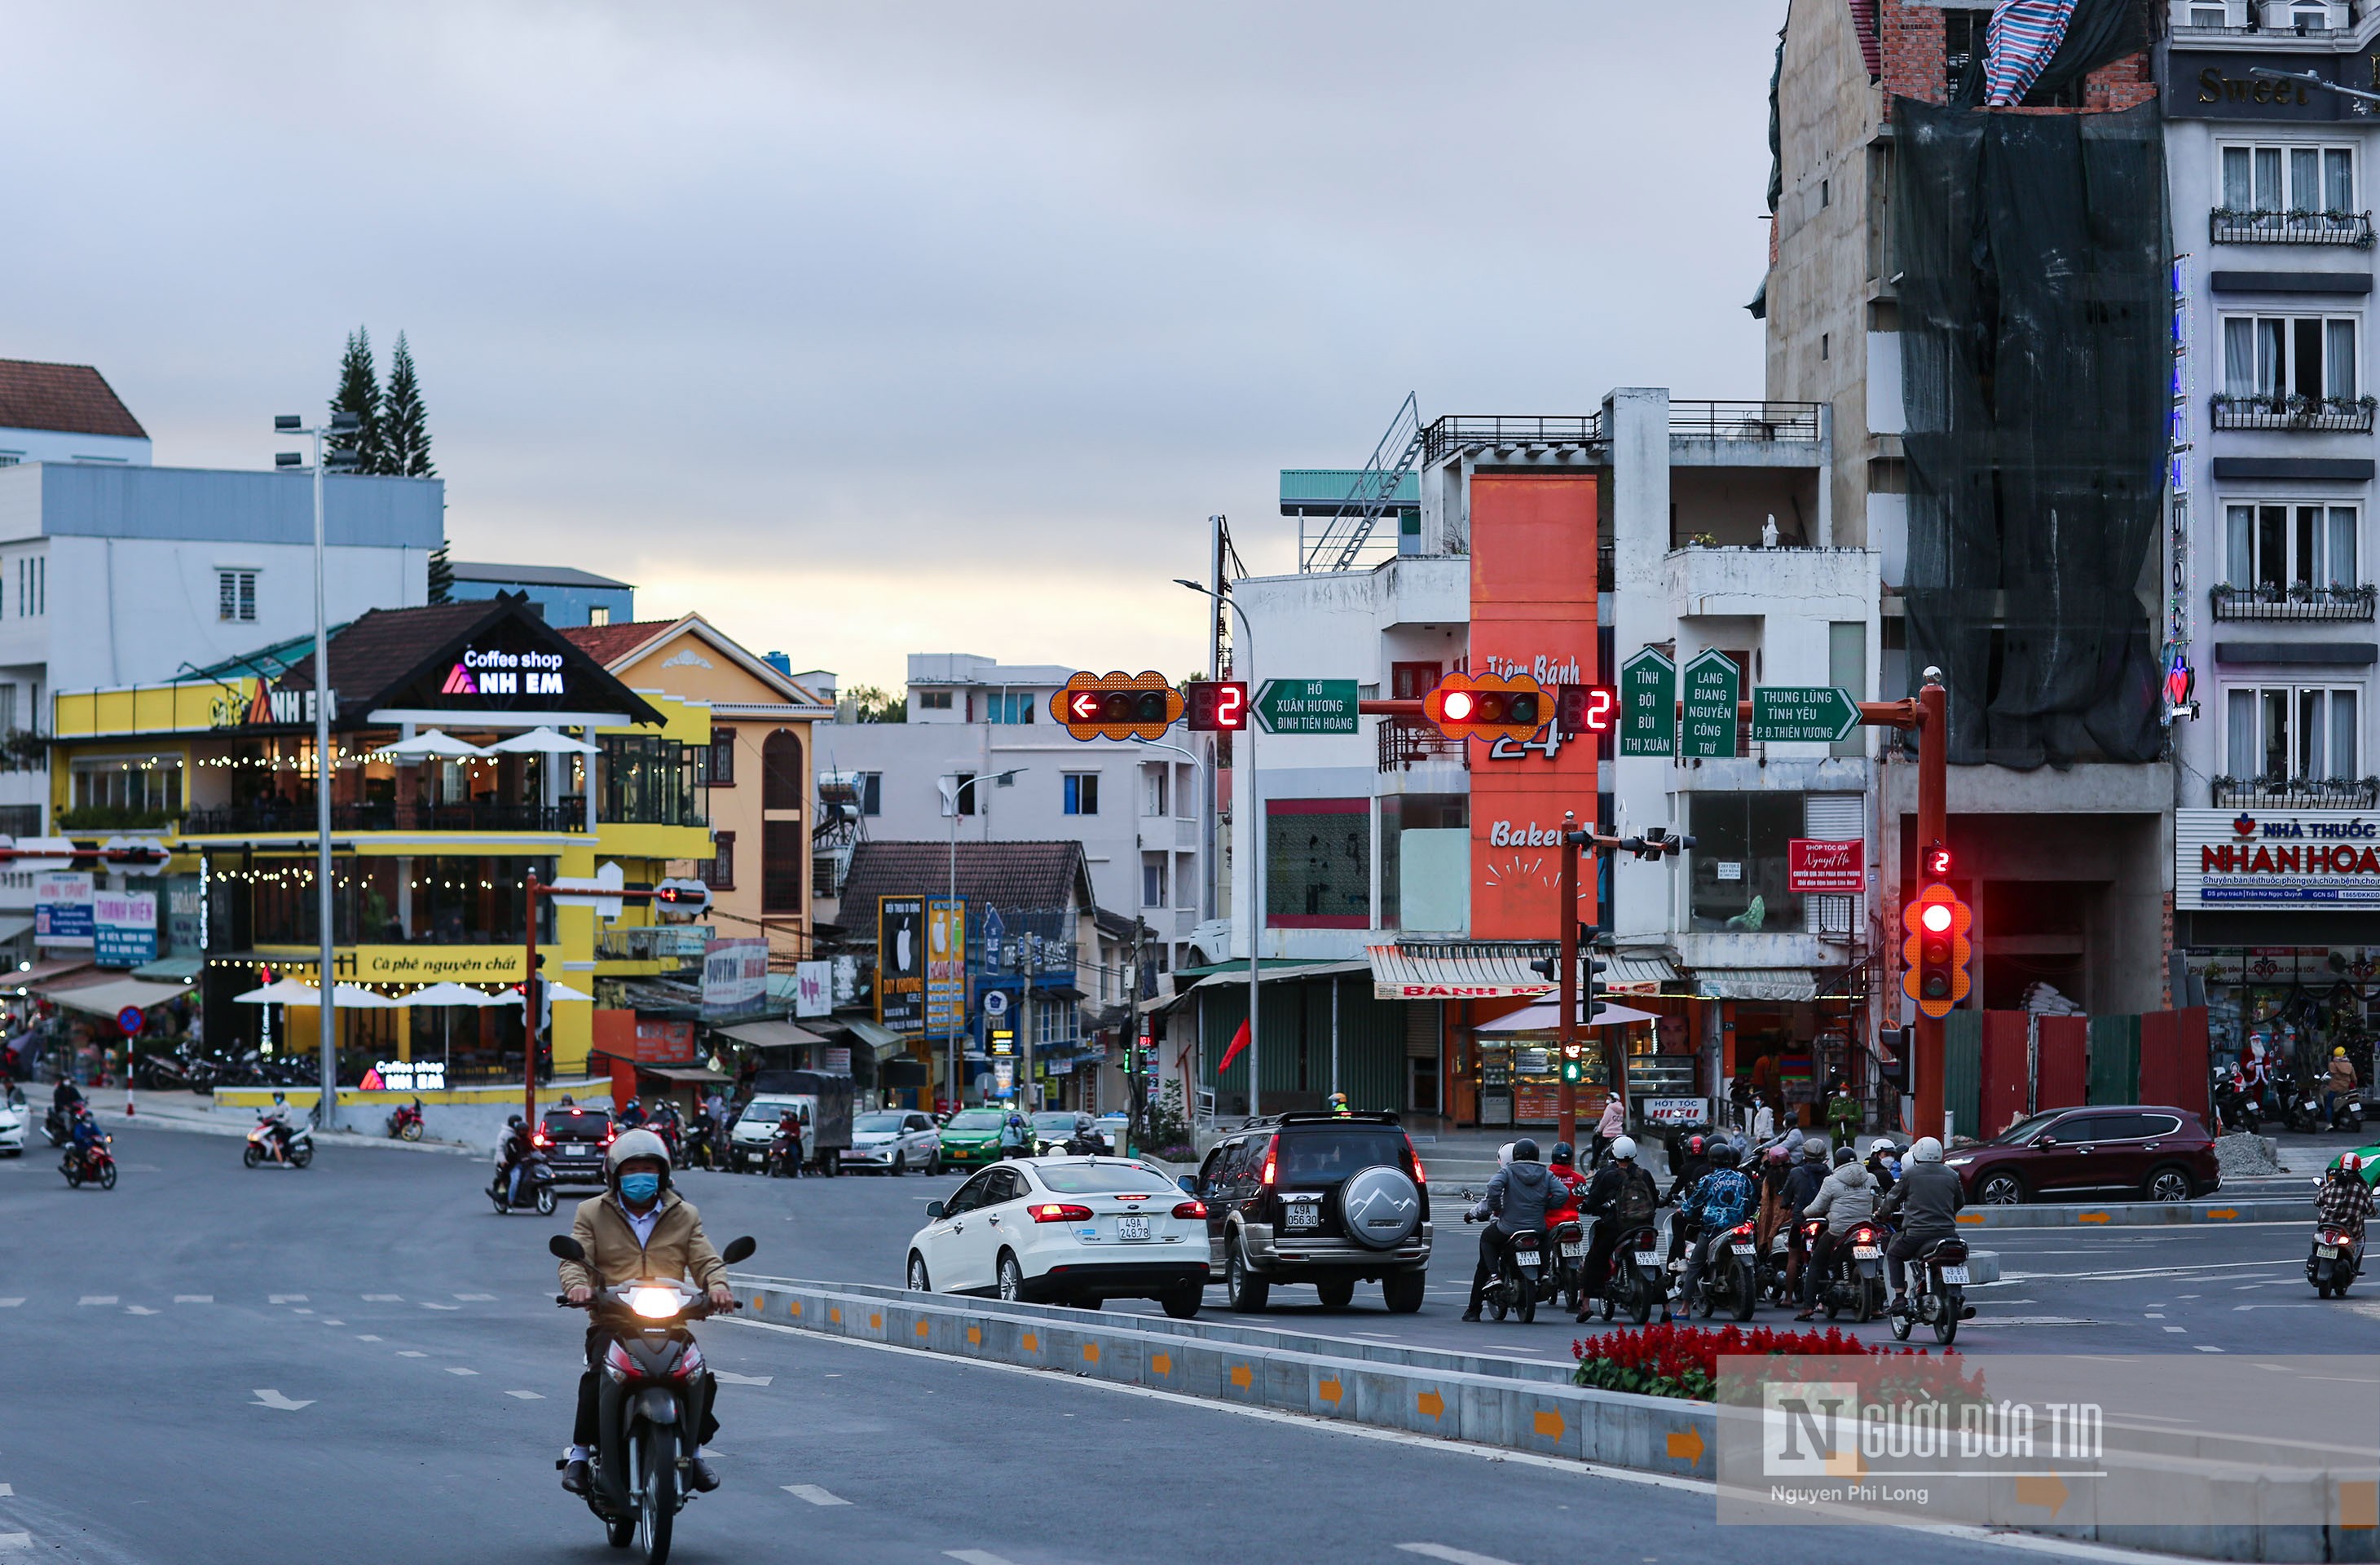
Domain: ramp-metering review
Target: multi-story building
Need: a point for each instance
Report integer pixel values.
(65, 413)
(1409, 877)
(564, 594)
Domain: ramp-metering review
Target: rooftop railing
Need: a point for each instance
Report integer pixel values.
(2233, 226)
(2297, 601)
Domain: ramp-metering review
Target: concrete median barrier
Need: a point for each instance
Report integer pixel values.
(2144, 1214)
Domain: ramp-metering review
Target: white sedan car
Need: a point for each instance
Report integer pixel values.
(14, 1118)
(1074, 1231)
(894, 1141)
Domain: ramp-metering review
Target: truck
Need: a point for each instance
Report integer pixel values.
(821, 1099)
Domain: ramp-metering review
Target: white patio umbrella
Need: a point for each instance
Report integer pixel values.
(545, 742)
(281, 991)
(355, 997)
(443, 996)
(432, 743)
(560, 990)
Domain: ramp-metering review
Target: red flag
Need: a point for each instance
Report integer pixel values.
(1239, 1041)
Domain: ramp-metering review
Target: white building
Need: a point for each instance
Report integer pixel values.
(65, 413)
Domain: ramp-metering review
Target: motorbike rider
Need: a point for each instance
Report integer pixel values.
(1693, 1161)
(2344, 1200)
(1926, 1197)
(1883, 1166)
(1846, 1200)
(1339, 1109)
(1804, 1175)
(1717, 1203)
(86, 1137)
(789, 1131)
(1084, 1142)
(2339, 1087)
(1773, 1213)
(279, 1125)
(1015, 1137)
(1562, 1205)
(640, 1228)
(700, 1133)
(633, 1116)
(1611, 1127)
(1515, 1203)
(511, 1156)
(66, 1095)
(1623, 1199)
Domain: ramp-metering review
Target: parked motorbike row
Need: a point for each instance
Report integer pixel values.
(2282, 1099)
(190, 1066)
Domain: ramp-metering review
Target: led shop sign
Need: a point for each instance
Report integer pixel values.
(2301, 859)
(492, 672)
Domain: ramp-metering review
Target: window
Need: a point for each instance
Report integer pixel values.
(2208, 16)
(871, 796)
(2304, 732)
(1010, 706)
(1962, 41)
(934, 701)
(781, 781)
(1082, 792)
(719, 762)
(719, 871)
(1411, 682)
(8, 713)
(1152, 880)
(1155, 783)
(1738, 883)
(785, 859)
(234, 597)
(649, 782)
(2272, 180)
(126, 791)
(2284, 546)
(961, 793)
(2273, 357)
(33, 583)
(1318, 864)
(599, 614)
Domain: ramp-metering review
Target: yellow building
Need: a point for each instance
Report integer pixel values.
(473, 742)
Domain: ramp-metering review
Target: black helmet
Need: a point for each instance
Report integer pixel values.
(1525, 1150)
(1845, 1154)
(1723, 1154)
(1563, 1156)
(514, 1122)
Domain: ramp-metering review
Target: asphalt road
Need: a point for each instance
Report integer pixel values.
(360, 1361)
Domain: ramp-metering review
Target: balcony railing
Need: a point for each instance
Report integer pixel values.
(2287, 411)
(1403, 742)
(2234, 225)
(2297, 602)
(1746, 421)
(2295, 792)
(276, 815)
(1488, 432)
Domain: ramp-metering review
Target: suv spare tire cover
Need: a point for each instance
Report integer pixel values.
(1379, 1207)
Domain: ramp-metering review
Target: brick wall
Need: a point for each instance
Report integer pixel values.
(1912, 36)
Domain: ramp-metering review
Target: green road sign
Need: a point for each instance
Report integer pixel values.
(1648, 704)
(1307, 706)
(1802, 714)
(1713, 686)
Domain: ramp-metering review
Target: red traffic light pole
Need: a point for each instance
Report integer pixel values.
(1566, 1033)
(532, 987)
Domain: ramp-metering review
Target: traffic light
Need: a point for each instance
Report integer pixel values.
(1583, 709)
(1573, 1070)
(1937, 947)
(1217, 706)
(681, 902)
(1487, 706)
(1933, 863)
(1120, 706)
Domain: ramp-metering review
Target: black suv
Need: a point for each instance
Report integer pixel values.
(573, 1141)
(1332, 1200)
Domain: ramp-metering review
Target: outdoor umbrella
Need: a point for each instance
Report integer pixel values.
(432, 743)
(545, 742)
(355, 997)
(281, 991)
(443, 996)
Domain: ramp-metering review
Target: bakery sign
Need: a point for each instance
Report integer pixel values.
(2293, 860)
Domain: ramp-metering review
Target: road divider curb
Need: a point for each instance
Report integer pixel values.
(2144, 1214)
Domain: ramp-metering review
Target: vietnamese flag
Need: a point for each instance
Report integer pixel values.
(1239, 1041)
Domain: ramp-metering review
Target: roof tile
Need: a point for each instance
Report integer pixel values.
(71, 398)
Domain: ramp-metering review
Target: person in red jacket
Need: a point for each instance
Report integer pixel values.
(1563, 1208)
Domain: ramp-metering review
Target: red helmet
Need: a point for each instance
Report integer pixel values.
(1695, 1144)
(2348, 1163)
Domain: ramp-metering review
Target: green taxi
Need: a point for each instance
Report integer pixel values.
(2371, 1170)
(971, 1137)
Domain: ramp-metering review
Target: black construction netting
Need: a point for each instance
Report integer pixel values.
(2037, 341)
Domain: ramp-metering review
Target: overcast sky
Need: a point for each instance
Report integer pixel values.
(892, 326)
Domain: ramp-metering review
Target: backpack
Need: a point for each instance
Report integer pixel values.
(1638, 1200)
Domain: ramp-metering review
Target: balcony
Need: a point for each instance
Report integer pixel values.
(2300, 602)
(1744, 420)
(1503, 433)
(2231, 225)
(2295, 792)
(1404, 741)
(298, 815)
(2293, 413)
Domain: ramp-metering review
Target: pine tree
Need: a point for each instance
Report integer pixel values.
(404, 423)
(358, 394)
(442, 575)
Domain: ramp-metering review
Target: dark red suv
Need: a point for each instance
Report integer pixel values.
(2161, 1154)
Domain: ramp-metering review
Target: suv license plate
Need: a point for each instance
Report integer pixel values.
(1133, 1225)
(1648, 1258)
(1303, 1214)
(1570, 1250)
(1957, 1274)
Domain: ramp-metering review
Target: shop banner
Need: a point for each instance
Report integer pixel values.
(1826, 866)
(900, 963)
(62, 910)
(814, 988)
(124, 927)
(734, 978)
(1675, 1110)
(429, 964)
(2303, 859)
(946, 980)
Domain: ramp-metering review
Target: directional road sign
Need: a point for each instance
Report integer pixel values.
(1713, 686)
(1648, 704)
(1308, 706)
(1802, 714)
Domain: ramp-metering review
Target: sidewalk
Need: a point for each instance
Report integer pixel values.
(195, 1112)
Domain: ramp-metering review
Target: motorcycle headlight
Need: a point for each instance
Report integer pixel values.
(653, 1304)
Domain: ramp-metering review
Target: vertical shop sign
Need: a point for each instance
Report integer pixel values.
(900, 963)
(946, 984)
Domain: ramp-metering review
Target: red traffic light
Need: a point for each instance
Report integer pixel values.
(1935, 917)
(1217, 706)
(1117, 706)
(1936, 950)
(1487, 706)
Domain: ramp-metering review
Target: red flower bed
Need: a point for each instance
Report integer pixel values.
(1682, 1361)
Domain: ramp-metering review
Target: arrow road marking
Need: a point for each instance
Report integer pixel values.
(817, 1495)
(527, 1396)
(1452, 1556)
(287, 1299)
(267, 1397)
(729, 1377)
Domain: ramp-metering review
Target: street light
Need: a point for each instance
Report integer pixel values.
(958, 1097)
(326, 1109)
(1255, 919)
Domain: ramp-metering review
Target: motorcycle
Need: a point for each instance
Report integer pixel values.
(1854, 1278)
(646, 1415)
(2300, 1103)
(1638, 1283)
(1564, 1279)
(2336, 1260)
(55, 1126)
(265, 1147)
(783, 1158)
(702, 1148)
(405, 1121)
(91, 1165)
(1513, 1289)
(2231, 1105)
(1938, 1291)
(533, 1193)
(1730, 1280)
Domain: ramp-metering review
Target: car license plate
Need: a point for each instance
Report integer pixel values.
(1957, 1274)
(1304, 1213)
(1742, 1249)
(1133, 1225)
(1866, 1252)
(1648, 1258)
(2327, 1252)
(1573, 1250)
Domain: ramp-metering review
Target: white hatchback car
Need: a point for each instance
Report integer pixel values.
(1074, 1231)
(14, 1118)
(894, 1141)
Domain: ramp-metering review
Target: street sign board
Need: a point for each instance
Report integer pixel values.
(1713, 686)
(1308, 706)
(1648, 704)
(1802, 714)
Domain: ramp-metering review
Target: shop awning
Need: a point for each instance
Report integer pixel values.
(1638, 972)
(107, 999)
(164, 970)
(697, 1074)
(1235, 973)
(1548, 1019)
(878, 1036)
(1790, 984)
(772, 1035)
(1453, 972)
(44, 973)
(14, 924)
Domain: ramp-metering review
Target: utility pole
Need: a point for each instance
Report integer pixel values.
(1244, 772)
(1656, 841)
(1933, 826)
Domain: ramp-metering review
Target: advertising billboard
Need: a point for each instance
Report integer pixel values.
(124, 927)
(62, 910)
(946, 977)
(900, 963)
(735, 979)
(2305, 860)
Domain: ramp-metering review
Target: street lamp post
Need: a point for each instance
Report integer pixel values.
(1254, 917)
(326, 1109)
(952, 1034)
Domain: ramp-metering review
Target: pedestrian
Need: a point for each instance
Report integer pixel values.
(2339, 1086)
(1843, 1115)
(1764, 1123)
(1609, 1128)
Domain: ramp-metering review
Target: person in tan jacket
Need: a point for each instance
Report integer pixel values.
(639, 1228)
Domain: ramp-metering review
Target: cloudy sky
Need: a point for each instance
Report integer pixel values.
(891, 326)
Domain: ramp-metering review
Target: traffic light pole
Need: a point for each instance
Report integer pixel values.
(1933, 822)
(1567, 1029)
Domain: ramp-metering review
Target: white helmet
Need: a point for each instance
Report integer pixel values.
(1504, 1156)
(1624, 1147)
(1926, 1150)
(633, 1143)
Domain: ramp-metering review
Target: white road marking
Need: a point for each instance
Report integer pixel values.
(10, 1303)
(383, 1298)
(729, 1376)
(2181, 1331)
(138, 1309)
(365, 1338)
(2205, 1349)
(287, 1299)
(528, 1396)
(1452, 1556)
(329, 1322)
(408, 1353)
(815, 1495)
(96, 1299)
(476, 1298)
(301, 1311)
(15, 1540)
(7, 1491)
(2237, 1308)
(452, 1369)
(973, 1557)
(196, 1298)
(428, 1305)
(267, 1397)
